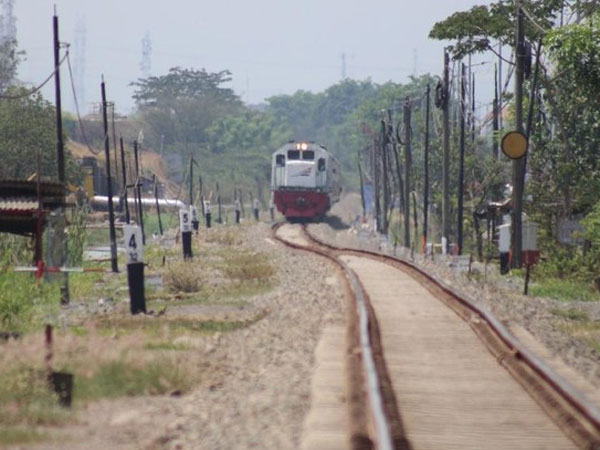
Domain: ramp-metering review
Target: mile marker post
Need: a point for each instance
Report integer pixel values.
(185, 224)
(236, 206)
(134, 244)
(207, 213)
(195, 221)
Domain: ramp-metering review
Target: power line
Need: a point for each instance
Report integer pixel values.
(77, 109)
(37, 88)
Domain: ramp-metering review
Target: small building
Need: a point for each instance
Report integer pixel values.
(24, 205)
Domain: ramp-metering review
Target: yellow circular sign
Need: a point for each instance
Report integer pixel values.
(514, 145)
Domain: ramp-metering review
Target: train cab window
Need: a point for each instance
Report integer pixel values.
(308, 155)
(321, 164)
(280, 160)
(293, 154)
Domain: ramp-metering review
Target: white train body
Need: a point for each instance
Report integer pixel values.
(305, 180)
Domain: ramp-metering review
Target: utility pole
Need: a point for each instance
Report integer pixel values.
(518, 164)
(160, 227)
(60, 145)
(61, 237)
(461, 170)
(407, 164)
(495, 113)
(385, 176)
(362, 186)
(191, 180)
(138, 189)
(111, 212)
(124, 170)
(375, 169)
(446, 158)
(426, 168)
(472, 109)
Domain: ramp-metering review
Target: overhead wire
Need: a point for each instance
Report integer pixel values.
(37, 88)
(79, 120)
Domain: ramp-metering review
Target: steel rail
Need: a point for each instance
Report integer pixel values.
(584, 435)
(383, 436)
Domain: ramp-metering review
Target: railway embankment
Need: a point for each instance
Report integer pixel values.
(224, 361)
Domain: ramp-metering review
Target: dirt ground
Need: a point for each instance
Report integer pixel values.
(255, 391)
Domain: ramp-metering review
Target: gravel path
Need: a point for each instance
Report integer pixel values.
(256, 392)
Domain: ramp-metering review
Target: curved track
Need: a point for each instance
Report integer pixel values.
(428, 369)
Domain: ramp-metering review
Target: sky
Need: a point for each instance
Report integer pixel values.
(271, 47)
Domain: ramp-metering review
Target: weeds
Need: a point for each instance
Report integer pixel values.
(19, 294)
(25, 398)
(563, 290)
(120, 378)
(571, 314)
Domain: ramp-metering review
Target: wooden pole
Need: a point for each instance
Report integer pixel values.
(426, 168)
(461, 170)
(111, 212)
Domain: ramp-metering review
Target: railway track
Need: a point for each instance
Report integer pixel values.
(427, 369)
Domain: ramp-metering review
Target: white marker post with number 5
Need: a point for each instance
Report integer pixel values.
(185, 225)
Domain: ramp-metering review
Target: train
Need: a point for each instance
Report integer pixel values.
(305, 180)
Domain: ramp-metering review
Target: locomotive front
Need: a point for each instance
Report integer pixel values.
(301, 180)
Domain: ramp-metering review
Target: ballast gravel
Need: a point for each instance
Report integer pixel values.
(259, 395)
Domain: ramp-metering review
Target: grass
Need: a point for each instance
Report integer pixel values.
(25, 398)
(567, 290)
(19, 436)
(114, 354)
(571, 314)
(23, 302)
(122, 378)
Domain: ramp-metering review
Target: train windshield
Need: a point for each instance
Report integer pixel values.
(308, 155)
(293, 154)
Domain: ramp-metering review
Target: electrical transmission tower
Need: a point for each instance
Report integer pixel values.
(146, 63)
(344, 74)
(79, 46)
(8, 22)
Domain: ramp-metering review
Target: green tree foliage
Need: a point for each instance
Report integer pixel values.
(9, 60)
(180, 106)
(29, 128)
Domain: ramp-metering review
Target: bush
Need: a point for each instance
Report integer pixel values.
(19, 294)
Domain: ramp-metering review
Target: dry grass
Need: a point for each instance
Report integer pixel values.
(222, 236)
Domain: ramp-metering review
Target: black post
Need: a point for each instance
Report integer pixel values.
(112, 118)
(472, 108)
(138, 189)
(135, 280)
(519, 164)
(461, 170)
(426, 169)
(125, 200)
(407, 164)
(60, 146)
(201, 188)
(160, 227)
(362, 192)
(186, 239)
(60, 162)
(111, 212)
(191, 180)
(241, 197)
(496, 110)
(375, 168)
(220, 209)
(446, 159)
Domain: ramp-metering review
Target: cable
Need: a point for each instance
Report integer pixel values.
(36, 89)
(77, 109)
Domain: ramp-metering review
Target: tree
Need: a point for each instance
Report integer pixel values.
(28, 129)
(182, 104)
(9, 60)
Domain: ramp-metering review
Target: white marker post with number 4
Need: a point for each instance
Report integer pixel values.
(133, 243)
(134, 246)
(185, 225)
